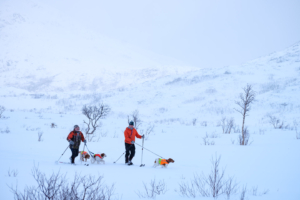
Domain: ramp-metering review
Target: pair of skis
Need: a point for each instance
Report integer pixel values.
(72, 163)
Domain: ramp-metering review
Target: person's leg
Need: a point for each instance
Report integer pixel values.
(74, 154)
(71, 155)
(132, 152)
(127, 147)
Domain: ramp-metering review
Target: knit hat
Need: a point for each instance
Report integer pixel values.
(76, 126)
(131, 123)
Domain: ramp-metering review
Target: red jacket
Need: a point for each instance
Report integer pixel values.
(130, 135)
(75, 138)
(72, 136)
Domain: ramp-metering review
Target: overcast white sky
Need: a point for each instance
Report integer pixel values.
(204, 33)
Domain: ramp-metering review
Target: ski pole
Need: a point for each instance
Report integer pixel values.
(123, 153)
(142, 165)
(82, 153)
(119, 157)
(150, 151)
(62, 154)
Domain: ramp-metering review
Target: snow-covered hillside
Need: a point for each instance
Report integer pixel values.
(50, 69)
(46, 49)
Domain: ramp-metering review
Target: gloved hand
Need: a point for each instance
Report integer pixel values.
(132, 142)
(84, 141)
(71, 142)
(143, 136)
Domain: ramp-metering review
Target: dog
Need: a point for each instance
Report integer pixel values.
(84, 156)
(99, 158)
(163, 162)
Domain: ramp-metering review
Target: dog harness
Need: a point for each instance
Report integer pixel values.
(84, 152)
(97, 155)
(162, 161)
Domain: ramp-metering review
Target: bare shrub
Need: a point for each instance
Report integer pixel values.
(229, 125)
(206, 141)
(244, 140)
(5, 131)
(232, 141)
(115, 135)
(135, 117)
(103, 134)
(243, 193)
(236, 129)
(163, 110)
(295, 124)
(262, 131)
(95, 137)
(296, 129)
(147, 132)
(2, 109)
(264, 192)
(154, 189)
(222, 123)
(231, 187)
(53, 125)
(297, 135)
(40, 134)
(187, 190)
(214, 135)
(215, 180)
(226, 124)
(254, 190)
(94, 114)
(277, 123)
(204, 123)
(244, 103)
(271, 86)
(12, 172)
(194, 121)
(57, 187)
(214, 184)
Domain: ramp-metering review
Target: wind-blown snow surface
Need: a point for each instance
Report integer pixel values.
(36, 94)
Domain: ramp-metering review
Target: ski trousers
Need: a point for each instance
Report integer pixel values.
(130, 152)
(74, 153)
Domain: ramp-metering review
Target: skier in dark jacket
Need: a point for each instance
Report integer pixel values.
(130, 133)
(74, 139)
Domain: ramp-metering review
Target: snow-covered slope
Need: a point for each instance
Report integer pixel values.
(46, 49)
(50, 68)
(175, 94)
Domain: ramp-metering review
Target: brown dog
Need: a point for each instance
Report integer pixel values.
(163, 162)
(84, 156)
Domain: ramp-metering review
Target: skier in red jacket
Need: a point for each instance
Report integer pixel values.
(74, 139)
(130, 133)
